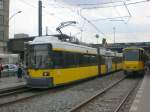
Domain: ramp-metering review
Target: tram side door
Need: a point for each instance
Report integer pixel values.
(108, 63)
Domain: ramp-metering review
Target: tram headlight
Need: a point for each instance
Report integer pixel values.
(45, 73)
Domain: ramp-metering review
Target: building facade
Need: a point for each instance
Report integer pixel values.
(4, 25)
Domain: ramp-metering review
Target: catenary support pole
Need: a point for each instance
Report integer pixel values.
(40, 18)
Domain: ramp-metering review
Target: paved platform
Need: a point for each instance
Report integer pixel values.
(7, 83)
(142, 100)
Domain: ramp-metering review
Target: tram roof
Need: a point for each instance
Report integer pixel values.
(133, 48)
(59, 45)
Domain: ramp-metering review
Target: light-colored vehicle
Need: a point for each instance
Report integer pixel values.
(9, 69)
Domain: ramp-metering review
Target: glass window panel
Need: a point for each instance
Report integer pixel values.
(1, 19)
(1, 35)
(39, 56)
(131, 55)
(1, 4)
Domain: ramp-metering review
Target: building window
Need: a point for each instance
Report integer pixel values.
(1, 4)
(1, 35)
(1, 19)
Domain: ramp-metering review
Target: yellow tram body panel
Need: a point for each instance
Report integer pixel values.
(119, 66)
(113, 67)
(73, 74)
(133, 65)
(61, 76)
(66, 75)
(103, 69)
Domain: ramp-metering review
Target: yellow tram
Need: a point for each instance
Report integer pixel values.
(133, 61)
(52, 62)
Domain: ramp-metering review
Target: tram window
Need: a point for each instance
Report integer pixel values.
(114, 59)
(90, 60)
(93, 59)
(132, 55)
(141, 55)
(87, 59)
(58, 59)
(70, 59)
(38, 56)
(76, 56)
(81, 62)
(117, 60)
(102, 59)
(121, 59)
(83, 59)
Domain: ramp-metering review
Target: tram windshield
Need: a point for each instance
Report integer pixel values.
(39, 56)
(131, 55)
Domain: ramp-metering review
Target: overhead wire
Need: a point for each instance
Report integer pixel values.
(123, 4)
(99, 3)
(102, 19)
(58, 5)
(93, 25)
(29, 4)
(45, 11)
(88, 21)
(133, 3)
(127, 9)
(33, 6)
(121, 17)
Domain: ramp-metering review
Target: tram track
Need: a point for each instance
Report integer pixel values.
(18, 94)
(17, 91)
(10, 96)
(62, 98)
(126, 97)
(101, 94)
(13, 91)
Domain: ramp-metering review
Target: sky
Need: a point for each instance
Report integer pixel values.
(129, 23)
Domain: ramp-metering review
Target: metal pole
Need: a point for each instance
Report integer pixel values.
(97, 36)
(46, 30)
(81, 35)
(40, 18)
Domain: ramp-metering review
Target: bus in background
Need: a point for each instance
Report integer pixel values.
(134, 61)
